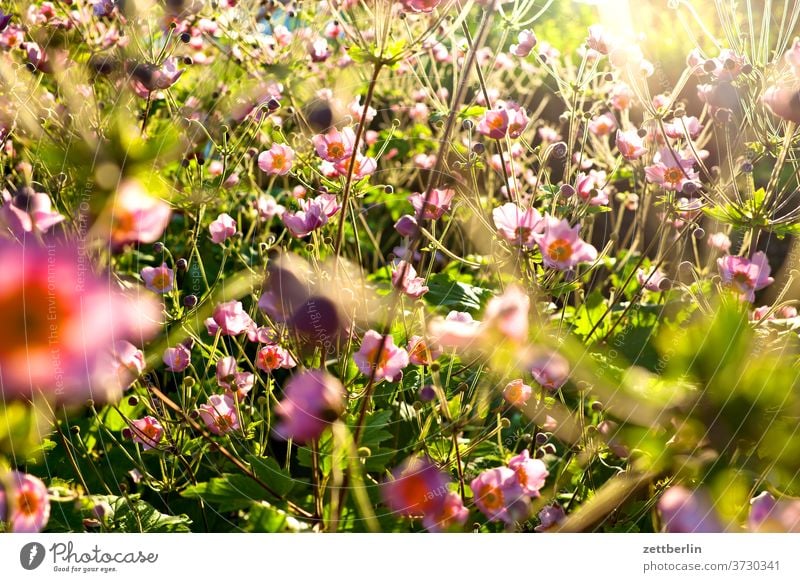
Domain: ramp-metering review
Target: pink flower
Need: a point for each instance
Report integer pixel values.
(590, 187)
(435, 206)
(771, 516)
(277, 160)
(499, 495)
(530, 472)
(745, 276)
(272, 356)
(681, 126)
(363, 166)
(222, 228)
(508, 314)
(719, 241)
(159, 279)
(630, 145)
(517, 225)
(728, 65)
(267, 207)
(219, 414)
(387, 362)
(621, 96)
(792, 57)
(420, 5)
(411, 285)
(136, 216)
(177, 359)
(652, 280)
(419, 489)
(671, 170)
(517, 393)
(335, 145)
(146, 431)
(147, 77)
(784, 102)
(603, 124)
(451, 513)
(421, 352)
(121, 365)
(549, 517)
(304, 222)
(494, 124)
(229, 318)
(518, 120)
(62, 322)
(561, 246)
(551, 371)
(237, 384)
(28, 213)
(526, 40)
(312, 400)
(406, 225)
(685, 511)
(457, 330)
(599, 40)
(24, 505)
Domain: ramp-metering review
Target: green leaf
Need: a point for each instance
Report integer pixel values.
(131, 514)
(268, 470)
(443, 291)
(227, 493)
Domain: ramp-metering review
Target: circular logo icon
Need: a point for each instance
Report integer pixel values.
(31, 555)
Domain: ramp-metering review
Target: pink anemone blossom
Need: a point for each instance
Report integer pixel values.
(745, 276)
(312, 400)
(561, 246)
(24, 503)
(381, 357)
(219, 414)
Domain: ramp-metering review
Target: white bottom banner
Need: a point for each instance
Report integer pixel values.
(390, 557)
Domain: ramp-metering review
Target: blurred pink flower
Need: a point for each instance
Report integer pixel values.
(494, 124)
(530, 472)
(146, 431)
(421, 352)
(720, 242)
(237, 384)
(517, 225)
(499, 496)
(508, 314)
(630, 145)
(363, 166)
(137, 216)
(603, 124)
(783, 101)
(681, 126)
(420, 5)
(28, 213)
(222, 228)
(267, 207)
(62, 322)
(451, 513)
(312, 400)
(229, 318)
(792, 57)
(526, 41)
(561, 245)
(745, 276)
(417, 488)
(219, 414)
(550, 370)
(599, 40)
(517, 393)
(770, 516)
(685, 511)
(177, 359)
(404, 278)
(24, 503)
(304, 222)
(392, 358)
(457, 330)
(550, 516)
(159, 279)
(435, 206)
